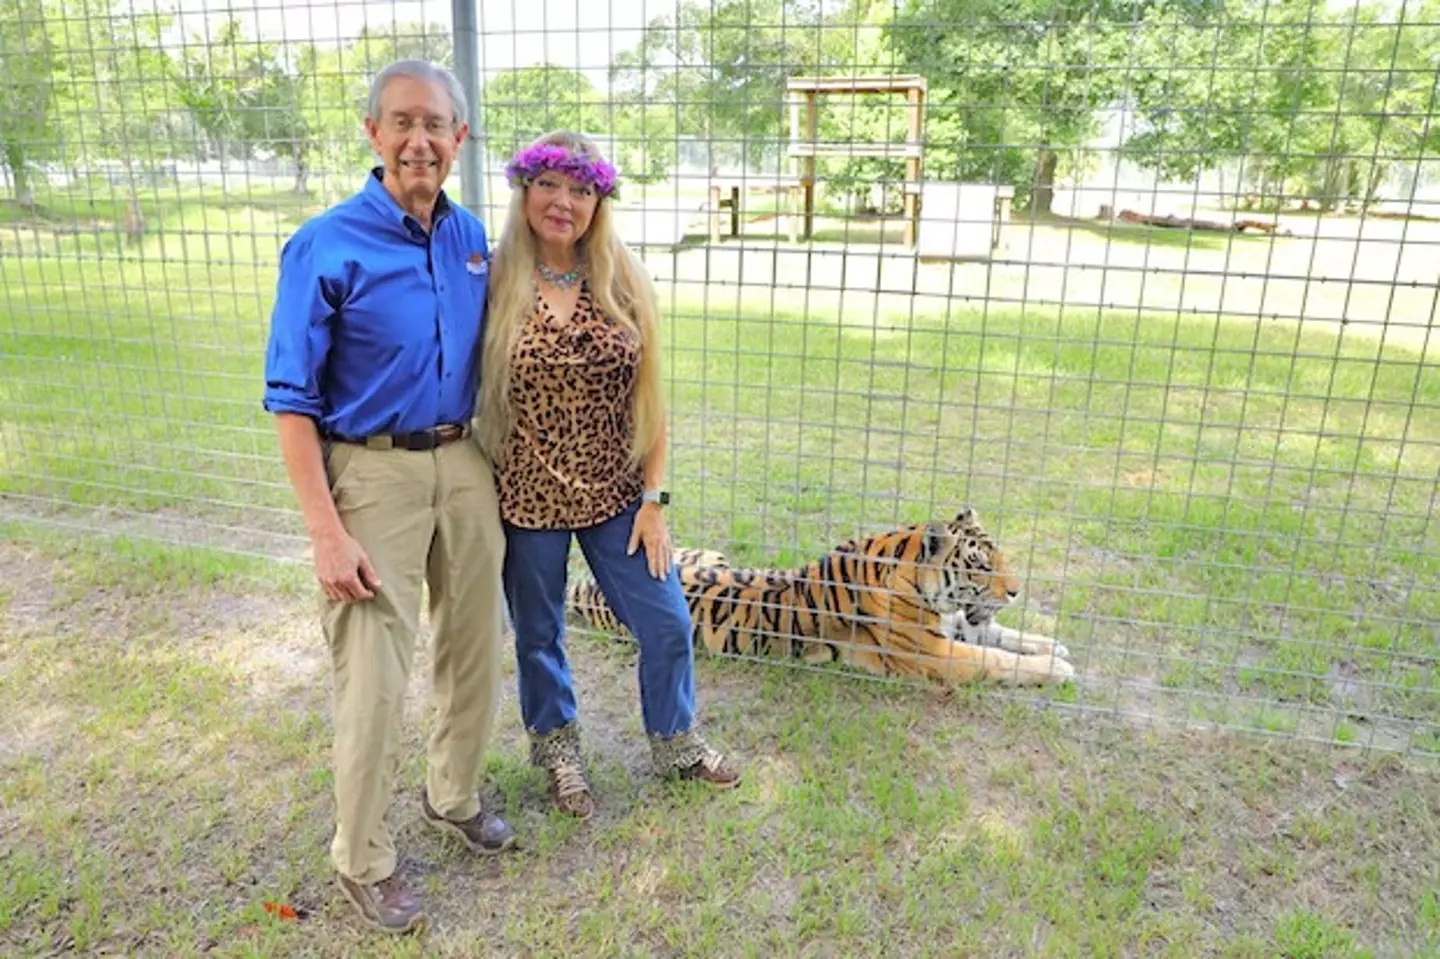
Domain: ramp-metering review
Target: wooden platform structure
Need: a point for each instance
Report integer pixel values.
(802, 94)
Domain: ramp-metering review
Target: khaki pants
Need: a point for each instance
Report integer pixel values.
(421, 517)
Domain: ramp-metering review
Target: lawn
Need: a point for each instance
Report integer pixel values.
(1225, 520)
(1229, 521)
(165, 790)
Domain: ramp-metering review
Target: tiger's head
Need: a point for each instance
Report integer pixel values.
(963, 573)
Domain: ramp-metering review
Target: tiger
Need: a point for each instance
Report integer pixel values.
(913, 601)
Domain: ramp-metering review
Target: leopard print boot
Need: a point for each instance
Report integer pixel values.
(689, 756)
(558, 753)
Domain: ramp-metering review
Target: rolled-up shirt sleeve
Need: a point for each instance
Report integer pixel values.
(300, 332)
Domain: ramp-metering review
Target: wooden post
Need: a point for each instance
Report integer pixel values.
(734, 211)
(714, 213)
(915, 101)
(807, 178)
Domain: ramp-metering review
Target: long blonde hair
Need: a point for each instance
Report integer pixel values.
(622, 289)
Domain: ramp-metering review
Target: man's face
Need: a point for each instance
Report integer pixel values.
(415, 137)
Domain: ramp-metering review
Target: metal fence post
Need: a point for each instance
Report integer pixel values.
(467, 69)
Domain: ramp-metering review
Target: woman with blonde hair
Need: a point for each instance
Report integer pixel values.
(572, 416)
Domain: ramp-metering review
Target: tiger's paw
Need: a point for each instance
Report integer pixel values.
(1039, 670)
(1022, 643)
(1043, 646)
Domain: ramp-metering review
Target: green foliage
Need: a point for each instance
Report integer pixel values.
(27, 98)
(86, 82)
(373, 49)
(113, 85)
(1013, 84)
(245, 99)
(249, 101)
(520, 105)
(719, 70)
(1317, 103)
(1313, 100)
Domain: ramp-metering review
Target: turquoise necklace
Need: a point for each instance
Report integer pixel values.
(560, 280)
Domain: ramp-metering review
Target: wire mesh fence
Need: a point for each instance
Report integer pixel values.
(1149, 285)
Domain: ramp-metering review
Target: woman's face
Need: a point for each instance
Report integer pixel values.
(559, 209)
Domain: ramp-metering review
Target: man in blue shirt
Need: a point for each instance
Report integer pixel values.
(372, 372)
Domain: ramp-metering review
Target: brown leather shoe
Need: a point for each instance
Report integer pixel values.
(483, 832)
(387, 905)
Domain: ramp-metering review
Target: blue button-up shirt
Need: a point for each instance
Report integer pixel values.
(377, 326)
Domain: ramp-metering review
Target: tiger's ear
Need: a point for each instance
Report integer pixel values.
(967, 517)
(939, 540)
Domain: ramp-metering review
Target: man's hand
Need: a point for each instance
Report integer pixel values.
(649, 529)
(341, 566)
(343, 569)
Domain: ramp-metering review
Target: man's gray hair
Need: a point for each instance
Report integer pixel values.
(425, 72)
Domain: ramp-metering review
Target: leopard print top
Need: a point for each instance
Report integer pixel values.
(572, 382)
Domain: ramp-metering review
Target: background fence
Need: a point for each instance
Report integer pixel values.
(1151, 285)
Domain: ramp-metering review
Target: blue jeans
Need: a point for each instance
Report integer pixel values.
(653, 610)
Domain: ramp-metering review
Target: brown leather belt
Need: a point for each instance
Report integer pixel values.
(416, 442)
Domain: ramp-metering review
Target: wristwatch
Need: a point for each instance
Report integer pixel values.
(658, 496)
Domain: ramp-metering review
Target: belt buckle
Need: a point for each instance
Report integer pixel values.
(449, 433)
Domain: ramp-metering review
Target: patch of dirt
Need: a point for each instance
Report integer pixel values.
(236, 533)
(29, 587)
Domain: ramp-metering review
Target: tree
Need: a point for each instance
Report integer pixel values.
(332, 104)
(114, 93)
(252, 99)
(1317, 105)
(1234, 80)
(113, 83)
(521, 104)
(1390, 91)
(27, 94)
(375, 48)
(218, 82)
(719, 69)
(248, 101)
(1014, 84)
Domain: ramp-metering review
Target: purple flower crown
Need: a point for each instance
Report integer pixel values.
(532, 161)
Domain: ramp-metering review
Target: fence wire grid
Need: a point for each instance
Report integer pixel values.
(1150, 285)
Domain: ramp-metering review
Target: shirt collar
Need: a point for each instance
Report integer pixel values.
(380, 200)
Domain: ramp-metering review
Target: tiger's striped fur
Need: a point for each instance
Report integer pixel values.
(914, 601)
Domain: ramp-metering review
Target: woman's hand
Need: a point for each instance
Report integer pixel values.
(649, 529)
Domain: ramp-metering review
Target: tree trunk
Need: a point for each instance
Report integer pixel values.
(1372, 186)
(134, 218)
(19, 179)
(1042, 197)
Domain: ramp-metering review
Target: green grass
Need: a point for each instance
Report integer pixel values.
(1231, 518)
(164, 774)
